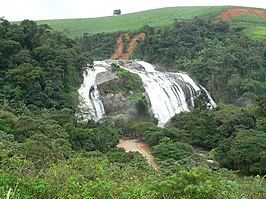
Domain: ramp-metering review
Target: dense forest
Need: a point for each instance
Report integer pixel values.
(46, 153)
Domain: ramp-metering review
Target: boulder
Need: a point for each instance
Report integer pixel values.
(115, 102)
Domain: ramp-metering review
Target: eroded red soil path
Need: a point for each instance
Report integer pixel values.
(230, 12)
(121, 52)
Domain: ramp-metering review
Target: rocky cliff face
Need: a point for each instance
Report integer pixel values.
(115, 102)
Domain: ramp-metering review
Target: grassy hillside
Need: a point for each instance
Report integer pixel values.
(129, 22)
(255, 26)
(252, 19)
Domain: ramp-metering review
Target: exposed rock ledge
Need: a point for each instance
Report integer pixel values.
(114, 103)
(106, 76)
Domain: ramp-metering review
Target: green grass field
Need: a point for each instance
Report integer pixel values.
(258, 32)
(255, 26)
(129, 22)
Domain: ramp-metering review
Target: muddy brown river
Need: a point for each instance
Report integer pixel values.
(132, 145)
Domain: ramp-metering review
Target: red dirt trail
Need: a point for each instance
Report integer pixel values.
(130, 48)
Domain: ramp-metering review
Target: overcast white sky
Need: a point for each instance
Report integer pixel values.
(16, 10)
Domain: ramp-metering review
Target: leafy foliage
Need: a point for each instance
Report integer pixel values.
(176, 151)
(100, 46)
(37, 66)
(101, 138)
(129, 81)
(232, 132)
(246, 152)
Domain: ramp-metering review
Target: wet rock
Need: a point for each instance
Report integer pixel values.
(212, 165)
(115, 102)
(107, 76)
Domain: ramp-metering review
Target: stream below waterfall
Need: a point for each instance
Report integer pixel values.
(133, 145)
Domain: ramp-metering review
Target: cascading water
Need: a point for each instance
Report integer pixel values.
(169, 93)
(90, 104)
(211, 103)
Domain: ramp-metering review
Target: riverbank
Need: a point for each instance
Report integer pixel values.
(133, 145)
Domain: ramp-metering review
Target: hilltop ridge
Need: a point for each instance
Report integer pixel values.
(129, 22)
(241, 16)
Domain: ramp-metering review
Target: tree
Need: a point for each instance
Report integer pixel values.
(175, 151)
(142, 107)
(117, 12)
(9, 48)
(84, 60)
(244, 152)
(101, 138)
(202, 101)
(29, 29)
(25, 74)
(262, 105)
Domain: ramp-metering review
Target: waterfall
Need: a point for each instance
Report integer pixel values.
(169, 93)
(90, 104)
(211, 103)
